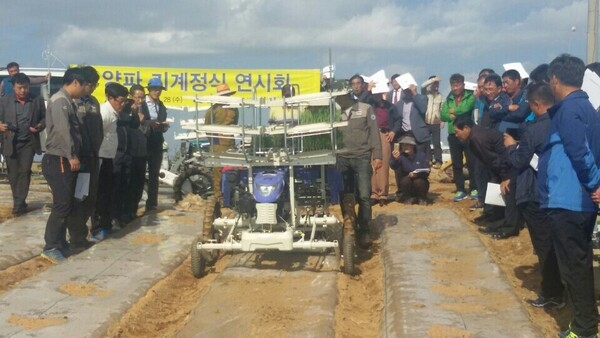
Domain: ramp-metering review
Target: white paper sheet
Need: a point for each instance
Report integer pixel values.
(518, 67)
(470, 85)
(421, 170)
(591, 85)
(405, 80)
(381, 82)
(328, 71)
(493, 195)
(534, 162)
(82, 186)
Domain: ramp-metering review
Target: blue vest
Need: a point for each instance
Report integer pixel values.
(7, 86)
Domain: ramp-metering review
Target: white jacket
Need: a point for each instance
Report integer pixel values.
(108, 149)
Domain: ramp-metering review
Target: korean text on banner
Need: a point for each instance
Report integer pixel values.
(183, 84)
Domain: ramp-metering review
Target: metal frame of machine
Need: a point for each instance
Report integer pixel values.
(311, 228)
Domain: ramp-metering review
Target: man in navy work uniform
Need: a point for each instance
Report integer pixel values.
(60, 164)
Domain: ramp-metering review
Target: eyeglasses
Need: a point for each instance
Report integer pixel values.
(120, 100)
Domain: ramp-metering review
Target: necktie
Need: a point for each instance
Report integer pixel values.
(395, 100)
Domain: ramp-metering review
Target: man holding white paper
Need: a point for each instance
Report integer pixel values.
(412, 166)
(487, 145)
(60, 164)
(413, 106)
(90, 121)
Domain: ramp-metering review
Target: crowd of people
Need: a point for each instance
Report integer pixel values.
(538, 139)
(105, 149)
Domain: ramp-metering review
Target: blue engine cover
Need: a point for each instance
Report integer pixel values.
(268, 186)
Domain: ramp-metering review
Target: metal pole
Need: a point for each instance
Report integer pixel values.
(592, 32)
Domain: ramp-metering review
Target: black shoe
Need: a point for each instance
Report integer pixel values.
(550, 303)
(150, 208)
(382, 202)
(487, 230)
(423, 202)
(400, 197)
(79, 246)
(480, 220)
(484, 219)
(374, 201)
(363, 240)
(20, 210)
(504, 234)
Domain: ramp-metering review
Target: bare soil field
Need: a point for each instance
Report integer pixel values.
(166, 306)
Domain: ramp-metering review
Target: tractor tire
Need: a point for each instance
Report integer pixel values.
(194, 181)
(197, 259)
(348, 251)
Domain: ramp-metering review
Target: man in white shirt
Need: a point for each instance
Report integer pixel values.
(116, 96)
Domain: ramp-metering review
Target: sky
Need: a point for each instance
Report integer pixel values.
(421, 37)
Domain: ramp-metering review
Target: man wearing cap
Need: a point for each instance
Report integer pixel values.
(156, 113)
(219, 115)
(433, 116)
(356, 160)
(412, 167)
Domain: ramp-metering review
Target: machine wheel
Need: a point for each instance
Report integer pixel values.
(192, 180)
(198, 261)
(348, 252)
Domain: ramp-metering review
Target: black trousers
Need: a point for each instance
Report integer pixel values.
(417, 187)
(61, 179)
(154, 162)
(83, 210)
(356, 173)
(541, 239)
(19, 172)
(457, 148)
(105, 202)
(572, 237)
(513, 221)
(133, 179)
(434, 132)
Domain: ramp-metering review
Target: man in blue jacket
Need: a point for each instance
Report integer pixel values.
(568, 179)
(520, 154)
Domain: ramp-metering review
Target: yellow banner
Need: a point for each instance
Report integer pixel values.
(183, 83)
